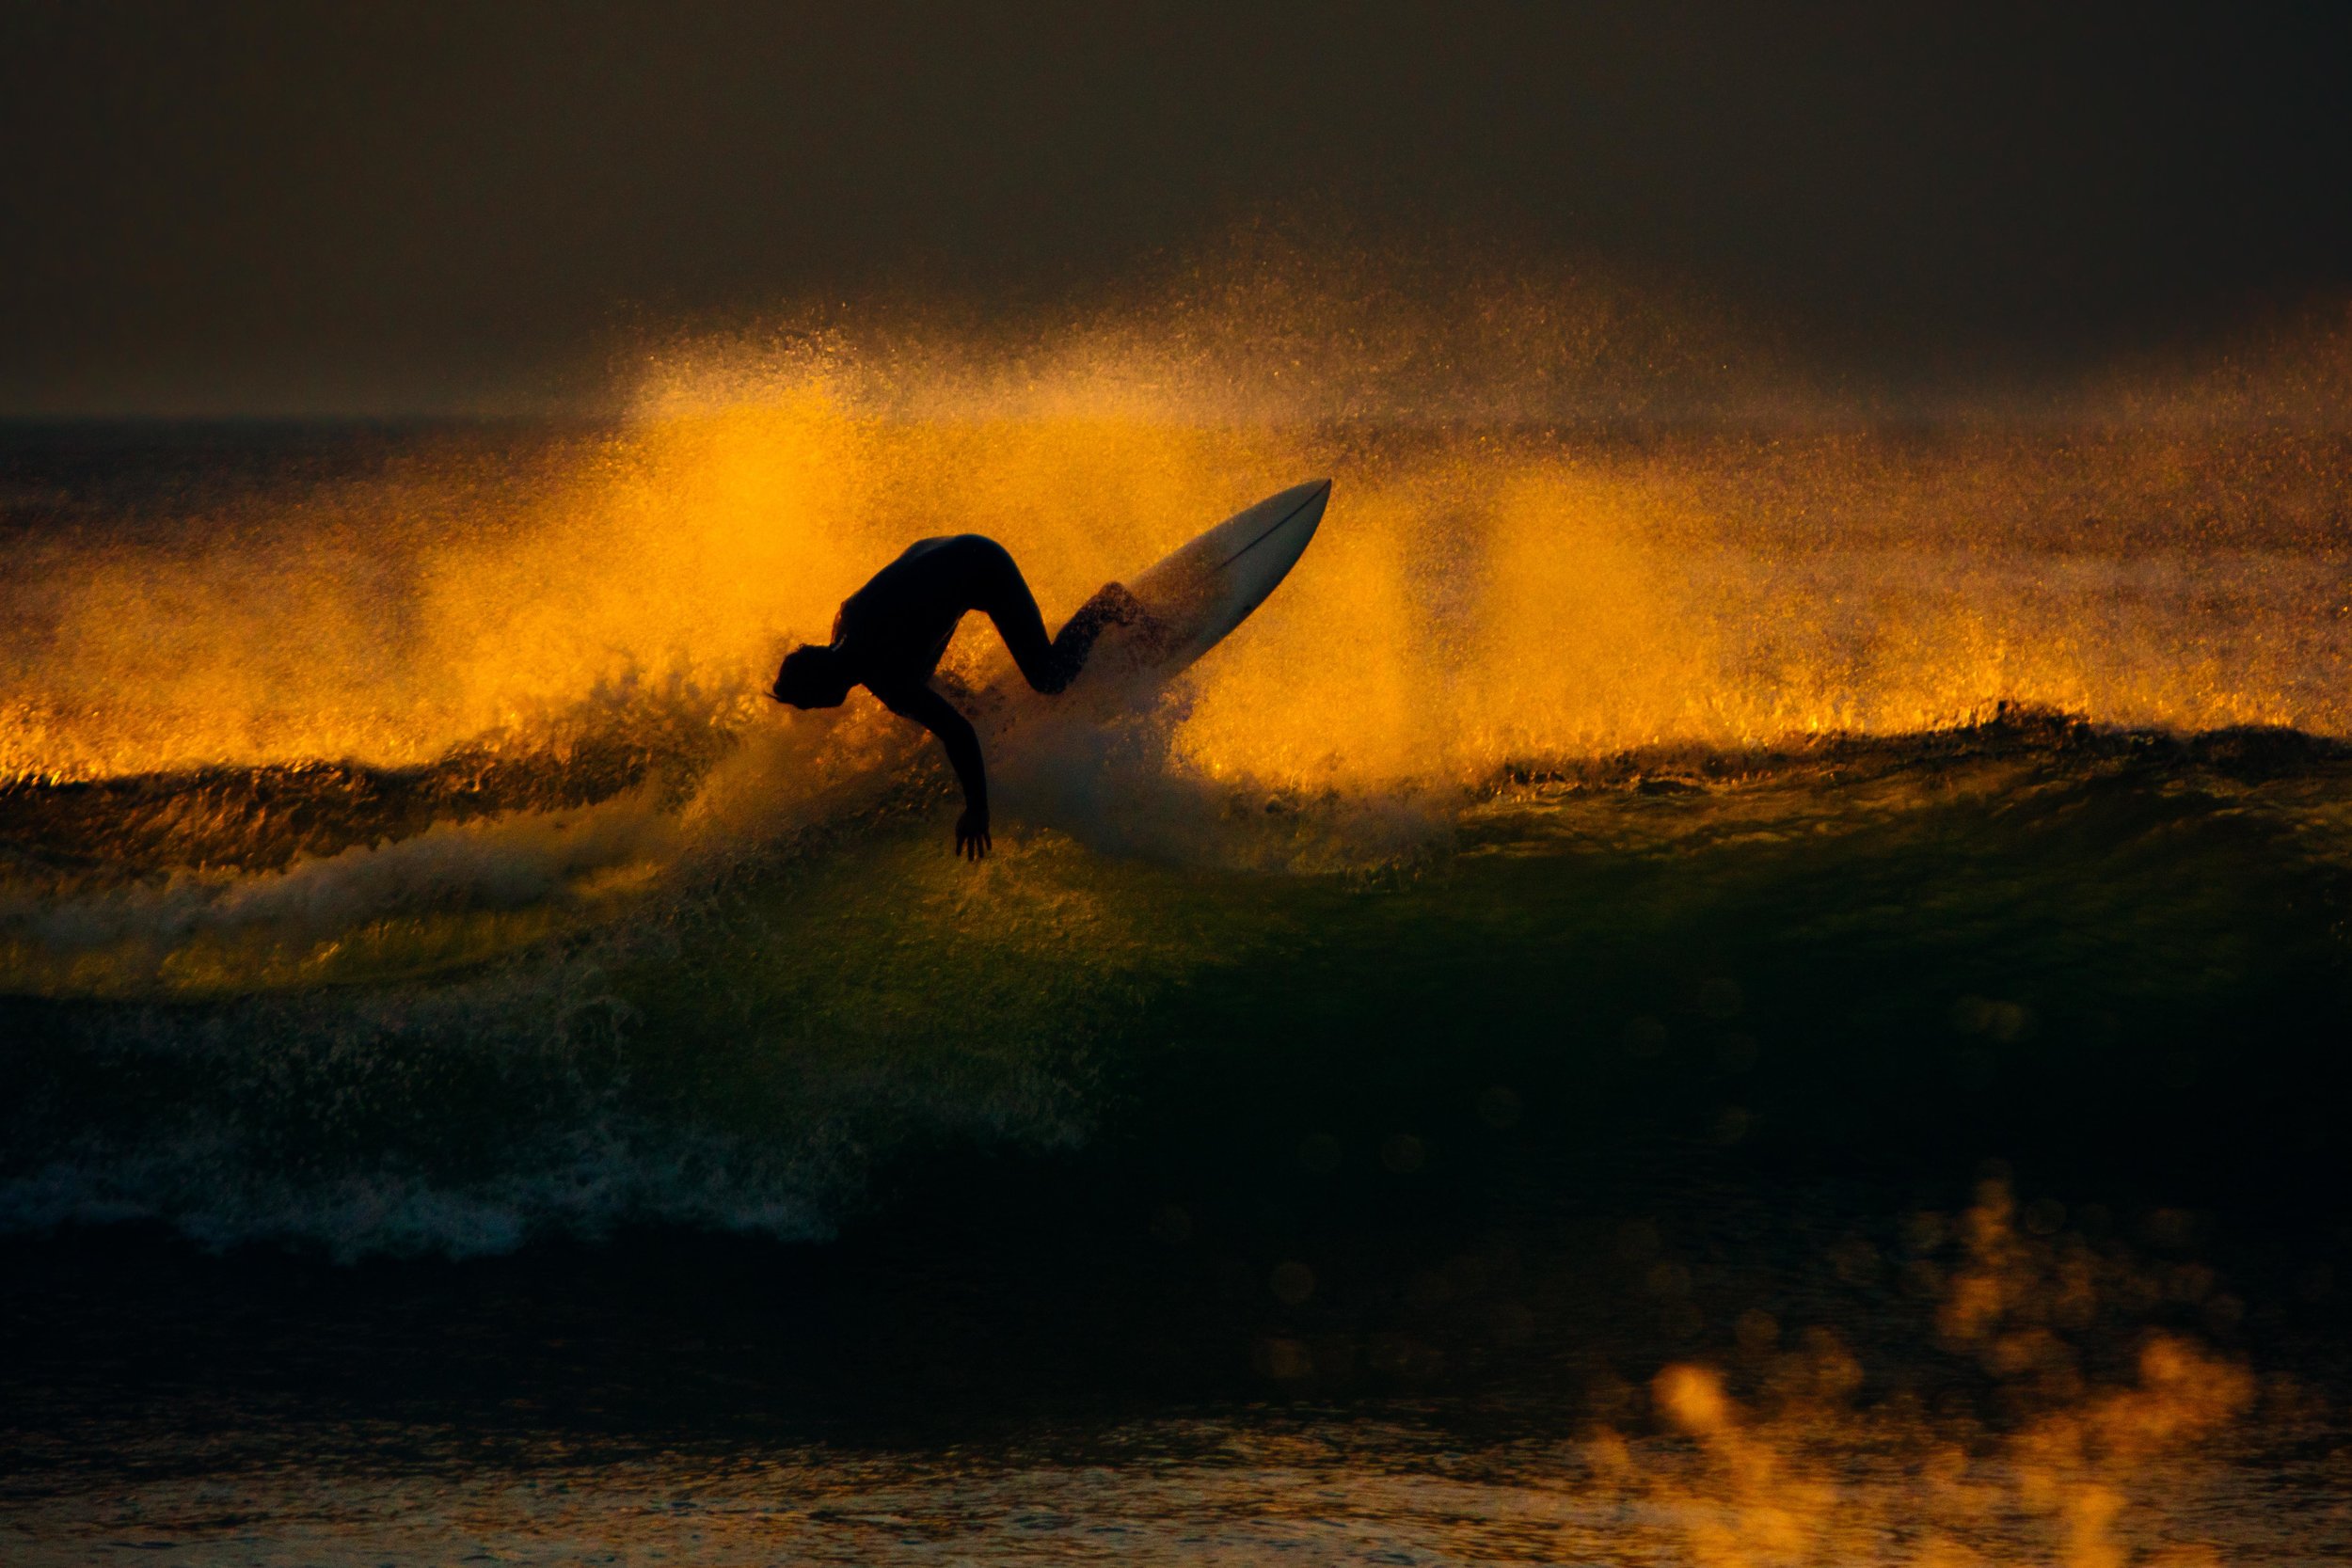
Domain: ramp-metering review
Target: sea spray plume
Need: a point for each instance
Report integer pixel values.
(421, 632)
(1489, 599)
(757, 478)
(1820, 1467)
(2288, 370)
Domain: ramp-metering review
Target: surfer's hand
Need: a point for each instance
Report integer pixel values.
(971, 832)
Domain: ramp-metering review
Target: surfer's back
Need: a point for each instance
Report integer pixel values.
(909, 609)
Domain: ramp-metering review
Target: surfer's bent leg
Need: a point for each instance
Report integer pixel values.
(1003, 595)
(1050, 667)
(1004, 598)
(1060, 662)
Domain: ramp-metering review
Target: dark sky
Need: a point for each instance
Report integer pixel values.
(224, 207)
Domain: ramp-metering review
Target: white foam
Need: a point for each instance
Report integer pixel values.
(504, 862)
(1120, 788)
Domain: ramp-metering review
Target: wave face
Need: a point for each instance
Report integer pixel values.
(396, 852)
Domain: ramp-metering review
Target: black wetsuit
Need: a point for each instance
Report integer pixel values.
(890, 634)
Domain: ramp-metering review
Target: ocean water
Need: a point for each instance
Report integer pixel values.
(1727, 992)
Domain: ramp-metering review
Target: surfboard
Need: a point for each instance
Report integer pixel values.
(1197, 596)
(1200, 593)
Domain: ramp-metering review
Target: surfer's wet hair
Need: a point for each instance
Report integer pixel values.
(811, 676)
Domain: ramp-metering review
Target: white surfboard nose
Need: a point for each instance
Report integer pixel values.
(1316, 494)
(1310, 498)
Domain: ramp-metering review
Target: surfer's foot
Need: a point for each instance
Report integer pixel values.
(1113, 605)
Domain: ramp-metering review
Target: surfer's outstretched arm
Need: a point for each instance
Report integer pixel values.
(937, 713)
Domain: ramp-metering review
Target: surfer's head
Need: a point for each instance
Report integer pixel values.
(812, 676)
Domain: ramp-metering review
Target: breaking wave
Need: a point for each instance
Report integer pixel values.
(396, 851)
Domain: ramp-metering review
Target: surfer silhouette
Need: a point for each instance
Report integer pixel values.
(890, 634)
